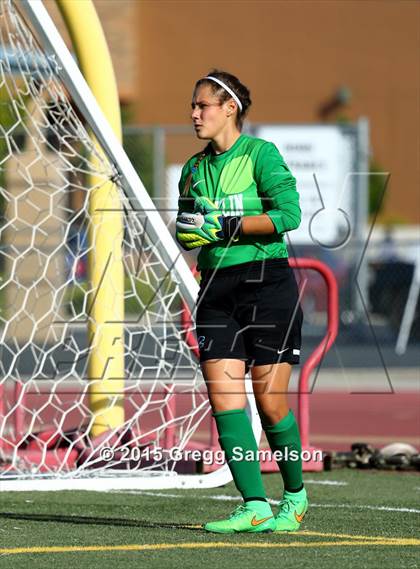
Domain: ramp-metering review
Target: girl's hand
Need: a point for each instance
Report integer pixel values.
(195, 229)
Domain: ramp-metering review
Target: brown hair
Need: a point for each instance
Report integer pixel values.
(233, 83)
(188, 181)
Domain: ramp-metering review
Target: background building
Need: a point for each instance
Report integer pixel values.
(294, 55)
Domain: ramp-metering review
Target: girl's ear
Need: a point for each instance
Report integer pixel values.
(231, 107)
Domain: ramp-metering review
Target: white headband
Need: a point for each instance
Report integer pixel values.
(226, 88)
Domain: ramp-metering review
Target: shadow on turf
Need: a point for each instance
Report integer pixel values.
(91, 520)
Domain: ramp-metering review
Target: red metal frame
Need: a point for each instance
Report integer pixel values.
(313, 360)
(319, 352)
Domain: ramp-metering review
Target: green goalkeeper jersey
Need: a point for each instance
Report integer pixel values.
(250, 178)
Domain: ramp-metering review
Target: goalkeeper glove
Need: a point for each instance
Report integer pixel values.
(206, 225)
(195, 230)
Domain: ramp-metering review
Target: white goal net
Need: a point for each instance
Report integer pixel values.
(50, 165)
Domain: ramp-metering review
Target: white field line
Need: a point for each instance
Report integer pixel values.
(325, 482)
(306, 481)
(225, 498)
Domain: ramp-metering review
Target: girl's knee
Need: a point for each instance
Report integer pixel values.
(271, 414)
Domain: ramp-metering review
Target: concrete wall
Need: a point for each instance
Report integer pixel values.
(294, 55)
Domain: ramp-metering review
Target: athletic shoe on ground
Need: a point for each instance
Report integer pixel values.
(292, 510)
(246, 518)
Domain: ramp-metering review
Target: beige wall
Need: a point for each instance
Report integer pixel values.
(293, 55)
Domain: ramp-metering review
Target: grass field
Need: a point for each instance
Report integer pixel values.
(356, 519)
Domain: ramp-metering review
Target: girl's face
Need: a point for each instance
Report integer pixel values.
(208, 115)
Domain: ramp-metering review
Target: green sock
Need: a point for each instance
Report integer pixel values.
(284, 437)
(235, 430)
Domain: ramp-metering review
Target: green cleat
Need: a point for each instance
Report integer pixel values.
(292, 510)
(254, 516)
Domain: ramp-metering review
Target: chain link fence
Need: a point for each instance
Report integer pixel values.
(375, 268)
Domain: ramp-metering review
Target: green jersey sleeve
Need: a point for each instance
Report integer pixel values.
(277, 188)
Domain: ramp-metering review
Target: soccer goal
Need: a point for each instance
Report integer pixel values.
(99, 379)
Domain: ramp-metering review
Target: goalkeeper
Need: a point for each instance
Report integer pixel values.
(237, 199)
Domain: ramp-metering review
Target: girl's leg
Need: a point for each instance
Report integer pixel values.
(270, 384)
(226, 389)
(225, 382)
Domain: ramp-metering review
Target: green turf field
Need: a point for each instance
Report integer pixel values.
(356, 519)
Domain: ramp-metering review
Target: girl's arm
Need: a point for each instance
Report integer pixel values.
(257, 225)
(277, 189)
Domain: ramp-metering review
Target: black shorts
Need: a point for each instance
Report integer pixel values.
(250, 312)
